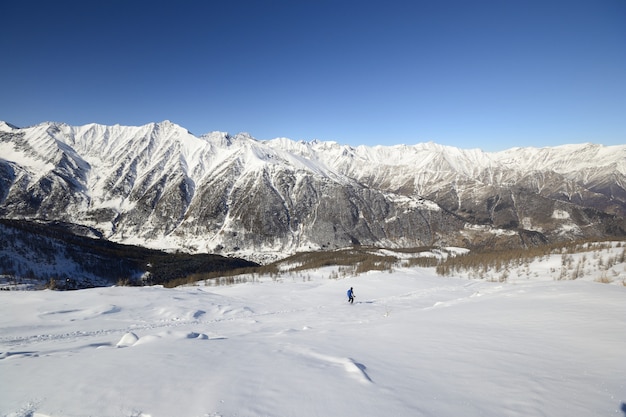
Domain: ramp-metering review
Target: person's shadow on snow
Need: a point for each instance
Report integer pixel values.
(624, 408)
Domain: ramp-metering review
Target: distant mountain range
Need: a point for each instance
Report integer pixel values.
(160, 186)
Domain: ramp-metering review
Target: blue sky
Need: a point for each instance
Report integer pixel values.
(472, 74)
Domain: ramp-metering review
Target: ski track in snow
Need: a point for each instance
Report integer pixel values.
(25, 346)
(245, 314)
(79, 335)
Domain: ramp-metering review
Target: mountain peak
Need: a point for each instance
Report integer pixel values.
(167, 124)
(6, 126)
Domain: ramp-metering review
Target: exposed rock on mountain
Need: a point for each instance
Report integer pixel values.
(160, 186)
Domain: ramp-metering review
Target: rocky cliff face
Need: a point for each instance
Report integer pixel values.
(160, 186)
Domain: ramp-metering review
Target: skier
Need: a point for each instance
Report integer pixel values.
(350, 295)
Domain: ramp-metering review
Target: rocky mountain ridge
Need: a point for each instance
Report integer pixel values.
(160, 186)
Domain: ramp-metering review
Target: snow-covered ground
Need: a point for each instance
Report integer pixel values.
(413, 344)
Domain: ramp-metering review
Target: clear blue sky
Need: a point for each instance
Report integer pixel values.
(473, 74)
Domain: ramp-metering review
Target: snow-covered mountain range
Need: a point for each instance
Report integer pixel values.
(160, 186)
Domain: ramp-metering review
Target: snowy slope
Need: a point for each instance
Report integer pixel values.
(413, 344)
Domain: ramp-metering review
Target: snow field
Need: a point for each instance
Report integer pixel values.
(413, 344)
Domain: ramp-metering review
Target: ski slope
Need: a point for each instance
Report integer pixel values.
(413, 344)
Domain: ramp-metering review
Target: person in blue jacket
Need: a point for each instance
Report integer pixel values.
(351, 295)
